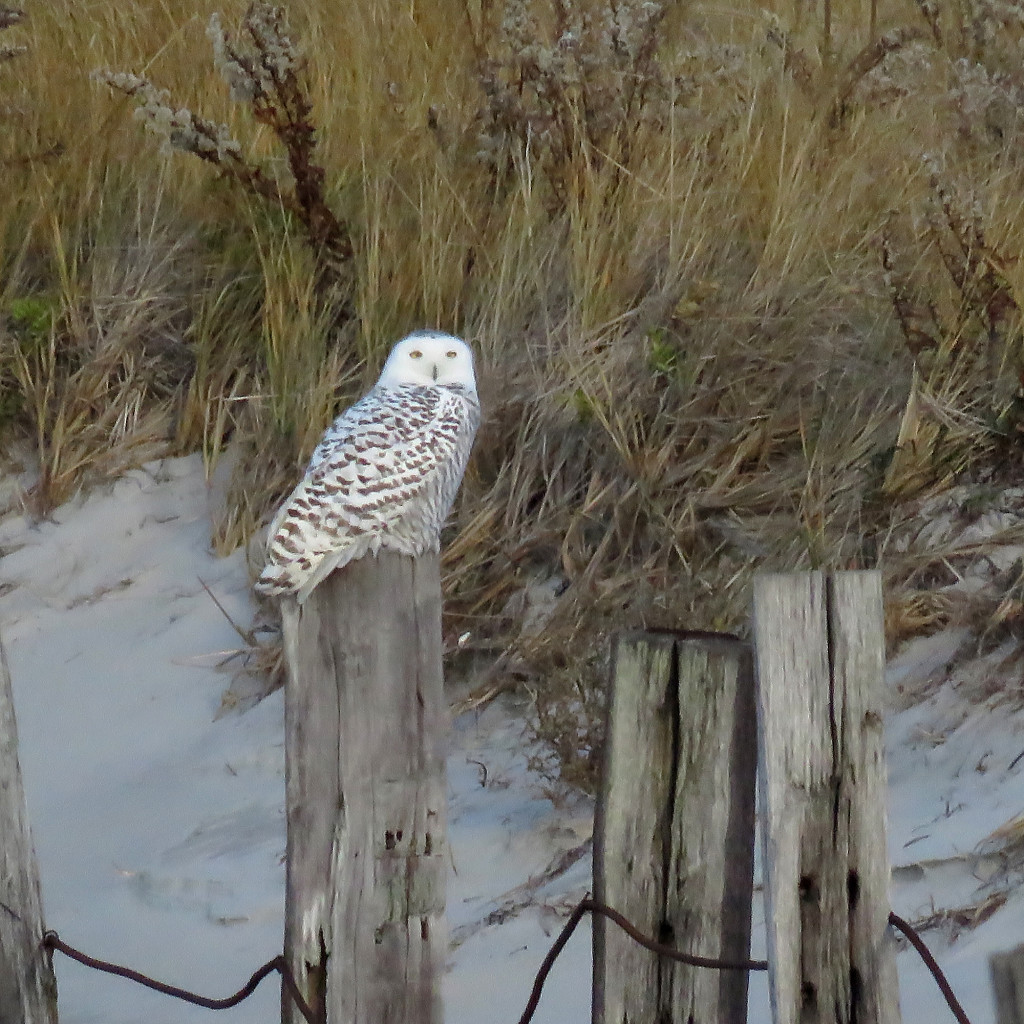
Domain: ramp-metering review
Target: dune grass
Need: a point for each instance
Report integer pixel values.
(739, 281)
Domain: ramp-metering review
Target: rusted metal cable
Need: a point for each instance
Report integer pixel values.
(926, 955)
(51, 940)
(669, 952)
(592, 906)
(549, 960)
(588, 905)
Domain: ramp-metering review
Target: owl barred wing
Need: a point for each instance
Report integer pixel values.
(386, 471)
(384, 475)
(354, 431)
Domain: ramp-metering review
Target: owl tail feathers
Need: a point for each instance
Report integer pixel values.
(331, 561)
(277, 580)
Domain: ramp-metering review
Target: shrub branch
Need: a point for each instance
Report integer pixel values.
(267, 76)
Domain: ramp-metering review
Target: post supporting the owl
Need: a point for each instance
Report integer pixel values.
(28, 988)
(366, 726)
(820, 644)
(674, 838)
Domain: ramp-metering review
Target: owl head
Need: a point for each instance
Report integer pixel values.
(429, 357)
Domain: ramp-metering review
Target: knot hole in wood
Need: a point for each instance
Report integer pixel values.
(852, 889)
(808, 889)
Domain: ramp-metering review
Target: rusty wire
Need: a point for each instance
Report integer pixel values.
(929, 961)
(588, 905)
(52, 941)
(592, 906)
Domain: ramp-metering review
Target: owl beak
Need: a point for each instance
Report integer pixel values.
(434, 371)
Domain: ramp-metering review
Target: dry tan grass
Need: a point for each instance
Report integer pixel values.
(666, 245)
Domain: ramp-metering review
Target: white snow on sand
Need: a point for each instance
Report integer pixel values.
(160, 830)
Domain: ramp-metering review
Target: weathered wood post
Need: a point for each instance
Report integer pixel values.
(820, 654)
(674, 841)
(28, 988)
(365, 721)
(1007, 971)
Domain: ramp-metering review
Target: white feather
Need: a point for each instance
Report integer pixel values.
(385, 473)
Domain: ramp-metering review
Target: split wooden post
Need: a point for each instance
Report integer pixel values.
(28, 988)
(365, 730)
(674, 841)
(820, 653)
(1007, 971)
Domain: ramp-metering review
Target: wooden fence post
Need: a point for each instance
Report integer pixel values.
(1007, 970)
(365, 731)
(28, 988)
(820, 652)
(674, 840)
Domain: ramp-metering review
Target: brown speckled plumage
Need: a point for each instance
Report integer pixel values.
(386, 472)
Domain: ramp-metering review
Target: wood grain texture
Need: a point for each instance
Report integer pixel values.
(28, 988)
(366, 726)
(820, 665)
(675, 834)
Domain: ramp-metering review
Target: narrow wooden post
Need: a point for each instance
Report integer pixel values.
(674, 843)
(365, 732)
(28, 988)
(820, 653)
(1007, 970)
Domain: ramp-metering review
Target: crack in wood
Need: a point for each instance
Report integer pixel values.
(666, 931)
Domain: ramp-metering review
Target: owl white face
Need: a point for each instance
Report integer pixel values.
(429, 357)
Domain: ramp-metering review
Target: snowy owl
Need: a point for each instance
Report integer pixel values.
(386, 472)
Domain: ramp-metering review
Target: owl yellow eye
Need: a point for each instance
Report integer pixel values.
(451, 354)
(415, 354)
